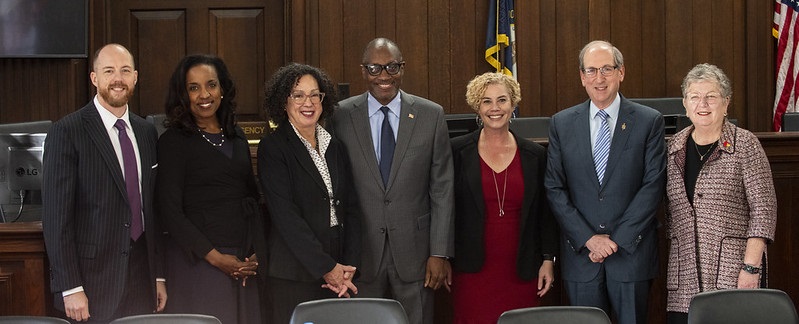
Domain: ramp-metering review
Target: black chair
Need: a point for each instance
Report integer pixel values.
(167, 318)
(555, 314)
(31, 320)
(460, 124)
(666, 106)
(158, 121)
(350, 310)
(790, 122)
(530, 127)
(745, 306)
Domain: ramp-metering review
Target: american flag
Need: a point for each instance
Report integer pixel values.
(786, 20)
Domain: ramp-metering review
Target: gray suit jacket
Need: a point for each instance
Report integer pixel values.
(624, 207)
(85, 212)
(415, 210)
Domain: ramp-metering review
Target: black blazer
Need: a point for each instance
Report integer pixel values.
(298, 203)
(85, 211)
(538, 230)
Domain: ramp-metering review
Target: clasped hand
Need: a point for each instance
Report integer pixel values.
(601, 247)
(232, 266)
(339, 280)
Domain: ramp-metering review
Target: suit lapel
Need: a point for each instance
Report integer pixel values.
(408, 112)
(621, 133)
(95, 130)
(471, 166)
(301, 154)
(363, 132)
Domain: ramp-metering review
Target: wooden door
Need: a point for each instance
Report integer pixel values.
(246, 34)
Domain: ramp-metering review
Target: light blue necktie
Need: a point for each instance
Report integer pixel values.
(602, 147)
(386, 146)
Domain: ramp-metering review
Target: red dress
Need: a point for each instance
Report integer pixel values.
(483, 296)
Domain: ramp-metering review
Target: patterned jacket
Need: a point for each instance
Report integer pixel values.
(733, 201)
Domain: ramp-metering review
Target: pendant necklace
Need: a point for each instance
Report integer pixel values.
(710, 149)
(504, 187)
(212, 143)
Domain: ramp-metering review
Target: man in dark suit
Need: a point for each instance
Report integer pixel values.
(404, 182)
(98, 177)
(605, 179)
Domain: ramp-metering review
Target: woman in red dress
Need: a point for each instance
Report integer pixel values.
(505, 236)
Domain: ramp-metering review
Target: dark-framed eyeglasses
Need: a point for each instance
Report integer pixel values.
(606, 70)
(391, 68)
(299, 98)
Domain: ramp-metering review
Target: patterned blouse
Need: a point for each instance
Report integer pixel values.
(323, 140)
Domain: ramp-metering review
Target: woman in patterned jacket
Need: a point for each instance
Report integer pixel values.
(721, 203)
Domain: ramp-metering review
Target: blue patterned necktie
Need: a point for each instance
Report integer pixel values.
(386, 146)
(602, 146)
(131, 180)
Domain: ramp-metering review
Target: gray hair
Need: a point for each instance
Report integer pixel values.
(708, 72)
(618, 59)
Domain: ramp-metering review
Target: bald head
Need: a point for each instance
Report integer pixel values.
(112, 48)
(379, 43)
(600, 45)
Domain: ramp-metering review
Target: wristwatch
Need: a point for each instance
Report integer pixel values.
(750, 269)
(549, 257)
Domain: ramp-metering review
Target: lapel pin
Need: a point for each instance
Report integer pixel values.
(726, 144)
(410, 116)
(623, 126)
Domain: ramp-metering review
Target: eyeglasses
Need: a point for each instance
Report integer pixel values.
(299, 98)
(391, 68)
(709, 98)
(606, 70)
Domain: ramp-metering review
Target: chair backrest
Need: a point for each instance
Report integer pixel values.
(31, 320)
(350, 310)
(555, 314)
(460, 124)
(748, 306)
(790, 122)
(530, 127)
(666, 106)
(158, 122)
(167, 318)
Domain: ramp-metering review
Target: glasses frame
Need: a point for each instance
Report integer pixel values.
(696, 99)
(382, 67)
(606, 70)
(300, 98)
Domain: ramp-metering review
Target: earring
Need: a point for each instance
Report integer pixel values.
(221, 97)
(512, 116)
(478, 121)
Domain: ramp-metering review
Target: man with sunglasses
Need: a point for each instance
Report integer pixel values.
(605, 178)
(402, 165)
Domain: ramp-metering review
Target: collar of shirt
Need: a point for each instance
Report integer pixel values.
(322, 139)
(108, 118)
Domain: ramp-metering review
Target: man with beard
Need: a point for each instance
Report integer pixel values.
(400, 153)
(98, 177)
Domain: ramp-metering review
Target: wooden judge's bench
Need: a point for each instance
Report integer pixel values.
(24, 283)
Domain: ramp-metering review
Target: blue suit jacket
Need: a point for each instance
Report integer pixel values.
(623, 207)
(85, 211)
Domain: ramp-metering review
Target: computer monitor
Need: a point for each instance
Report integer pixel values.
(21, 152)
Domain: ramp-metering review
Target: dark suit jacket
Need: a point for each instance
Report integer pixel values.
(85, 214)
(298, 202)
(623, 207)
(538, 232)
(414, 211)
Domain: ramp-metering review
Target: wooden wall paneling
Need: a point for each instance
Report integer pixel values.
(412, 38)
(625, 28)
(572, 33)
(653, 49)
(387, 19)
(548, 51)
(528, 57)
(679, 37)
(760, 65)
(331, 39)
(297, 30)
(359, 24)
(157, 42)
(441, 53)
(39, 89)
(24, 285)
(467, 57)
(237, 36)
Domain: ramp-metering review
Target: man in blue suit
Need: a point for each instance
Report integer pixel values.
(605, 179)
(98, 177)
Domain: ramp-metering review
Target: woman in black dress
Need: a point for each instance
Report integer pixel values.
(206, 197)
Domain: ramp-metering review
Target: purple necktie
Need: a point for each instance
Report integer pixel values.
(131, 180)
